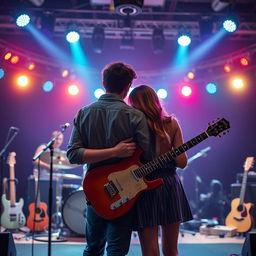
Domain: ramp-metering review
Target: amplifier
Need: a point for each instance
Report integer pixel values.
(251, 178)
(250, 195)
(44, 192)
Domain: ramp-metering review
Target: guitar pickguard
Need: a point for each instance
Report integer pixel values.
(127, 184)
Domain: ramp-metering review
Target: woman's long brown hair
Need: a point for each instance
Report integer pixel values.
(146, 100)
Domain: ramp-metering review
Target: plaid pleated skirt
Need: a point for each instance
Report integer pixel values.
(164, 205)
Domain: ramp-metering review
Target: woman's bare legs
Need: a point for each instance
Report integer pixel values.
(149, 241)
(170, 234)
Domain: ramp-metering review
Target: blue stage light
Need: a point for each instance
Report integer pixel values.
(162, 93)
(48, 86)
(230, 25)
(72, 36)
(22, 20)
(211, 88)
(184, 40)
(1, 73)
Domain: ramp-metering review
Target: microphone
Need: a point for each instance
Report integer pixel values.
(14, 129)
(65, 126)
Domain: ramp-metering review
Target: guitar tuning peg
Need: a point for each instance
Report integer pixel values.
(219, 136)
(209, 123)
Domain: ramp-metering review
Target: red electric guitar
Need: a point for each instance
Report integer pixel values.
(38, 220)
(112, 190)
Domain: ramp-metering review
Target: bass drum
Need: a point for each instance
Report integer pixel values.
(74, 212)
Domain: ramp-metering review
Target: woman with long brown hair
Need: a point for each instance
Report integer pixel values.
(167, 205)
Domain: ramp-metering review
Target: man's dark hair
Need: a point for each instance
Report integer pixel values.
(116, 76)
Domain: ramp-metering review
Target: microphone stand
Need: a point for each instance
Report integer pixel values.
(8, 142)
(49, 145)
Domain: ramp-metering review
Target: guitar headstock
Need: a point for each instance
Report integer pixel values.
(220, 126)
(248, 164)
(11, 159)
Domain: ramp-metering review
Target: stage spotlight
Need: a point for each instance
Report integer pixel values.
(31, 66)
(227, 68)
(72, 36)
(158, 40)
(7, 56)
(22, 20)
(65, 73)
(98, 38)
(184, 40)
(127, 40)
(128, 7)
(22, 80)
(1, 73)
(15, 59)
(211, 88)
(186, 90)
(230, 24)
(48, 86)
(244, 61)
(73, 89)
(162, 93)
(238, 83)
(98, 92)
(191, 75)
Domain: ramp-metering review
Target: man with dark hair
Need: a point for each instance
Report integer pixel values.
(104, 132)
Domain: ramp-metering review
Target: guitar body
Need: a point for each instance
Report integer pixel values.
(112, 190)
(240, 216)
(121, 176)
(12, 216)
(38, 220)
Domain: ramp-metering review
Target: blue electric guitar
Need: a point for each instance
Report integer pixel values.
(12, 216)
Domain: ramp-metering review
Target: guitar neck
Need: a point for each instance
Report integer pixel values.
(12, 186)
(37, 191)
(243, 188)
(162, 160)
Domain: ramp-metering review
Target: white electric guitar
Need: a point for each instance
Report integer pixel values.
(12, 216)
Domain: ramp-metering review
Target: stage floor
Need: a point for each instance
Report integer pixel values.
(189, 245)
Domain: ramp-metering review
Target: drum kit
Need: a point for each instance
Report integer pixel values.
(70, 198)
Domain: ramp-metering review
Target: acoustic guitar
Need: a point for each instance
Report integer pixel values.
(113, 189)
(13, 216)
(38, 219)
(240, 216)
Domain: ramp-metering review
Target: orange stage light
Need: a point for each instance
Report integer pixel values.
(227, 68)
(31, 66)
(244, 61)
(15, 59)
(8, 55)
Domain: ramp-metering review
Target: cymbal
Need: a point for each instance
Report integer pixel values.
(67, 176)
(59, 160)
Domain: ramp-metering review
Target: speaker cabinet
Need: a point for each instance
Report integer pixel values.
(249, 247)
(250, 195)
(44, 192)
(7, 245)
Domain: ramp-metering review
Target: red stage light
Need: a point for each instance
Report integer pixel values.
(244, 61)
(8, 55)
(15, 59)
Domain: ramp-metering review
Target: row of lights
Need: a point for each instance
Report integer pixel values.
(73, 88)
(184, 39)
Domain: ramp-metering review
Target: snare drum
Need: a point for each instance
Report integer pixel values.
(74, 212)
